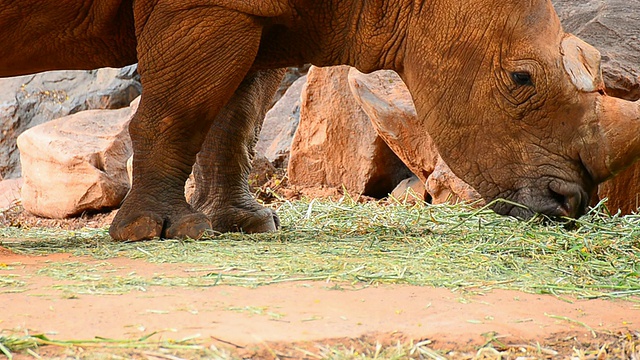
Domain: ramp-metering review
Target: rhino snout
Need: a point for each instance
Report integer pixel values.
(556, 199)
(571, 198)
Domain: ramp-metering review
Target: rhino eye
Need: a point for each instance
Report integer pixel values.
(522, 78)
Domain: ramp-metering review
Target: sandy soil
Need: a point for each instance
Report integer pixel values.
(312, 312)
(283, 320)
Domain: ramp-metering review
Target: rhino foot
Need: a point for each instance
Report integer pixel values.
(148, 225)
(250, 221)
(191, 226)
(142, 226)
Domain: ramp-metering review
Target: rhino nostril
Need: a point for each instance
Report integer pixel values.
(569, 196)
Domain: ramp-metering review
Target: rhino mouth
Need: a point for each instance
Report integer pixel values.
(557, 200)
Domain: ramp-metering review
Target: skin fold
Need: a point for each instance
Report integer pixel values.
(515, 106)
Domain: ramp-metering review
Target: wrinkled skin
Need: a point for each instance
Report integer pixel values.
(489, 81)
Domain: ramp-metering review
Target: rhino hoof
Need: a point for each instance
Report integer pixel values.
(191, 226)
(144, 226)
(266, 220)
(246, 221)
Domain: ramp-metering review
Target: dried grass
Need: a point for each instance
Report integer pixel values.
(373, 243)
(361, 244)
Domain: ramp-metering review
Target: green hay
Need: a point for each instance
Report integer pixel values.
(375, 243)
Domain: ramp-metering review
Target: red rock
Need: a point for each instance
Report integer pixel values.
(10, 192)
(335, 144)
(386, 100)
(30, 100)
(76, 163)
(410, 189)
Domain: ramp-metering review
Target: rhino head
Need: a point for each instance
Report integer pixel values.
(516, 106)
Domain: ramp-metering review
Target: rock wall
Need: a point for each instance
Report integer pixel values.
(280, 125)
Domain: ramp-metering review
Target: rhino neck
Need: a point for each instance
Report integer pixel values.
(453, 43)
(379, 33)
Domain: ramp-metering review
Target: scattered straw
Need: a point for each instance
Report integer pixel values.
(373, 243)
(619, 346)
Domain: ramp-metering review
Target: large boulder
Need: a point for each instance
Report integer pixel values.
(387, 101)
(388, 104)
(27, 101)
(612, 27)
(76, 163)
(335, 144)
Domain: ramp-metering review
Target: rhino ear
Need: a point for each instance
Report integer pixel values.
(582, 63)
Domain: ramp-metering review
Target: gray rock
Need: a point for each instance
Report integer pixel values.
(612, 27)
(30, 100)
(292, 74)
(280, 125)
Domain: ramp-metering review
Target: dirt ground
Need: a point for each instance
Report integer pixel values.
(294, 320)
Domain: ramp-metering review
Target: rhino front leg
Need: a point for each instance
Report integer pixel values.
(190, 65)
(222, 167)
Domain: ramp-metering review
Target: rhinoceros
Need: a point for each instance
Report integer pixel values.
(515, 105)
